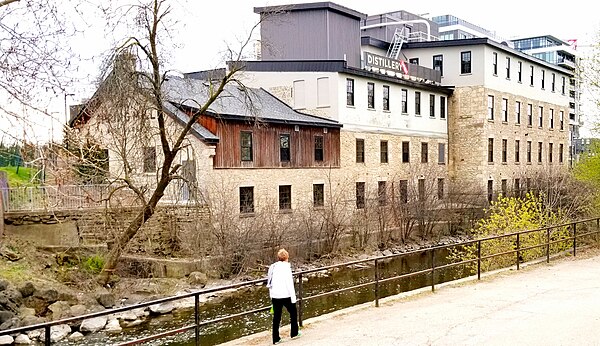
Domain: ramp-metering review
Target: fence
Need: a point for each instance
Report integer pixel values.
(547, 240)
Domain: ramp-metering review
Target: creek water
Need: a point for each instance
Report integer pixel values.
(258, 296)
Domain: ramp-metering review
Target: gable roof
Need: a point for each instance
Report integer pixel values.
(236, 103)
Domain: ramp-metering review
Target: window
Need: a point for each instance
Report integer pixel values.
(323, 92)
(285, 197)
(490, 190)
(421, 189)
(490, 107)
(550, 152)
(543, 79)
(417, 103)
(424, 149)
(517, 149)
(381, 192)
(531, 76)
(404, 101)
(442, 153)
(440, 188)
(528, 151)
(438, 63)
(284, 148)
(551, 118)
(553, 82)
(517, 112)
(414, 61)
(563, 85)
(504, 186)
(528, 184)
(432, 105)
(386, 98)
(299, 92)
(442, 107)
(149, 160)
(247, 199)
(246, 144)
(504, 150)
(520, 71)
(517, 188)
(507, 68)
(360, 195)
(405, 152)
(540, 152)
(529, 114)
(560, 153)
(318, 195)
(403, 191)
(383, 146)
(505, 110)
(562, 120)
(318, 148)
(370, 95)
(360, 150)
(465, 62)
(490, 150)
(541, 116)
(350, 92)
(495, 63)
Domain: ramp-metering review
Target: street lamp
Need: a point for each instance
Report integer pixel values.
(66, 113)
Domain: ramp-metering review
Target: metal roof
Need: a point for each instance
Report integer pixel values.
(313, 6)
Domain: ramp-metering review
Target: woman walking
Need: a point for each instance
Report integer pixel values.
(281, 289)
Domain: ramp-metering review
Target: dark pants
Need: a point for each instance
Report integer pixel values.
(278, 305)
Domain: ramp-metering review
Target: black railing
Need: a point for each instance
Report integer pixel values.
(476, 262)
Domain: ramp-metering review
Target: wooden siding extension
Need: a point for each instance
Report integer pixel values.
(265, 146)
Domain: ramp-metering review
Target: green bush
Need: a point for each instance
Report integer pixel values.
(93, 264)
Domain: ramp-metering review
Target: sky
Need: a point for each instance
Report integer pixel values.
(204, 28)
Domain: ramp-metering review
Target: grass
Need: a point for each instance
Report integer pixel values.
(23, 178)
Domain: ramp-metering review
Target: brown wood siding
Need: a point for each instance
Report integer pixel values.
(209, 123)
(265, 146)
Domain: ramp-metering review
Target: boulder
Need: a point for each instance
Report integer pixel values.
(78, 310)
(387, 253)
(93, 324)
(49, 295)
(106, 299)
(127, 316)
(10, 299)
(22, 339)
(129, 324)
(35, 334)
(113, 326)
(5, 316)
(27, 289)
(161, 309)
(14, 322)
(60, 309)
(9, 254)
(3, 285)
(198, 279)
(57, 333)
(6, 340)
(77, 336)
(24, 311)
(31, 320)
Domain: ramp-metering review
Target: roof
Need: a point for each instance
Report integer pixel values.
(484, 41)
(197, 130)
(236, 103)
(313, 6)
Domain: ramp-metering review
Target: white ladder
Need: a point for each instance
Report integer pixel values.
(396, 45)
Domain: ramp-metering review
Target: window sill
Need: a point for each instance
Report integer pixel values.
(517, 163)
(371, 109)
(517, 124)
(387, 111)
(444, 118)
(350, 106)
(508, 79)
(285, 211)
(490, 163)
(466, 74)
(441, 163)
(323, 107)
(504, 163)
(505, 122)
(246, 215)
(529, 163)
(490, 120)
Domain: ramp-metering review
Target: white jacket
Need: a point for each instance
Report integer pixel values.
(281, 281)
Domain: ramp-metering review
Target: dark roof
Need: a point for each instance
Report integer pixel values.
(483, 41)
(336, 66)
(236, 103)
(313, 6)
(197, 130)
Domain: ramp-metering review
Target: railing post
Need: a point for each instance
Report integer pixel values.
(376, 283)
(548, 245)
(479, 260)
(197, 318)
(30, 193)
(574, 225)
(432, 270)
(518, 246)
(47, 336)
(300, 288)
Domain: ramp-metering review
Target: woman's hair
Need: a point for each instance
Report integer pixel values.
(282, 255)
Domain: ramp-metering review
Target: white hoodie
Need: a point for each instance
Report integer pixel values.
(280, 281)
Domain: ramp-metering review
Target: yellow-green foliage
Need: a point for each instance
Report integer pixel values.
(510, 215)
(587, 169)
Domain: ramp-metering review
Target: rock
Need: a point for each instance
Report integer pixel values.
(3, 285)
(57, 333)
(363, 257)
(49, 296)
(10, 299)
(22, 339)
(129, 324)
(27, 289)
(9, 254)
(5, 316)
(78, 310)
(24, 312)
(60, 309)
(77, 336)
(6, 340)
(113, 326)
(14, 322)
(387, 253)
(161, 309)
(31, 320)
(68, 297)
(35, 334)
(198, 279)
(106, 299)
(128, 316)
(93, 324)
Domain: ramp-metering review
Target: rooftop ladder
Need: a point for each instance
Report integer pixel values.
(396, 45)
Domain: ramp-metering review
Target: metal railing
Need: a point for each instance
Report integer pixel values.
(576, 231)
